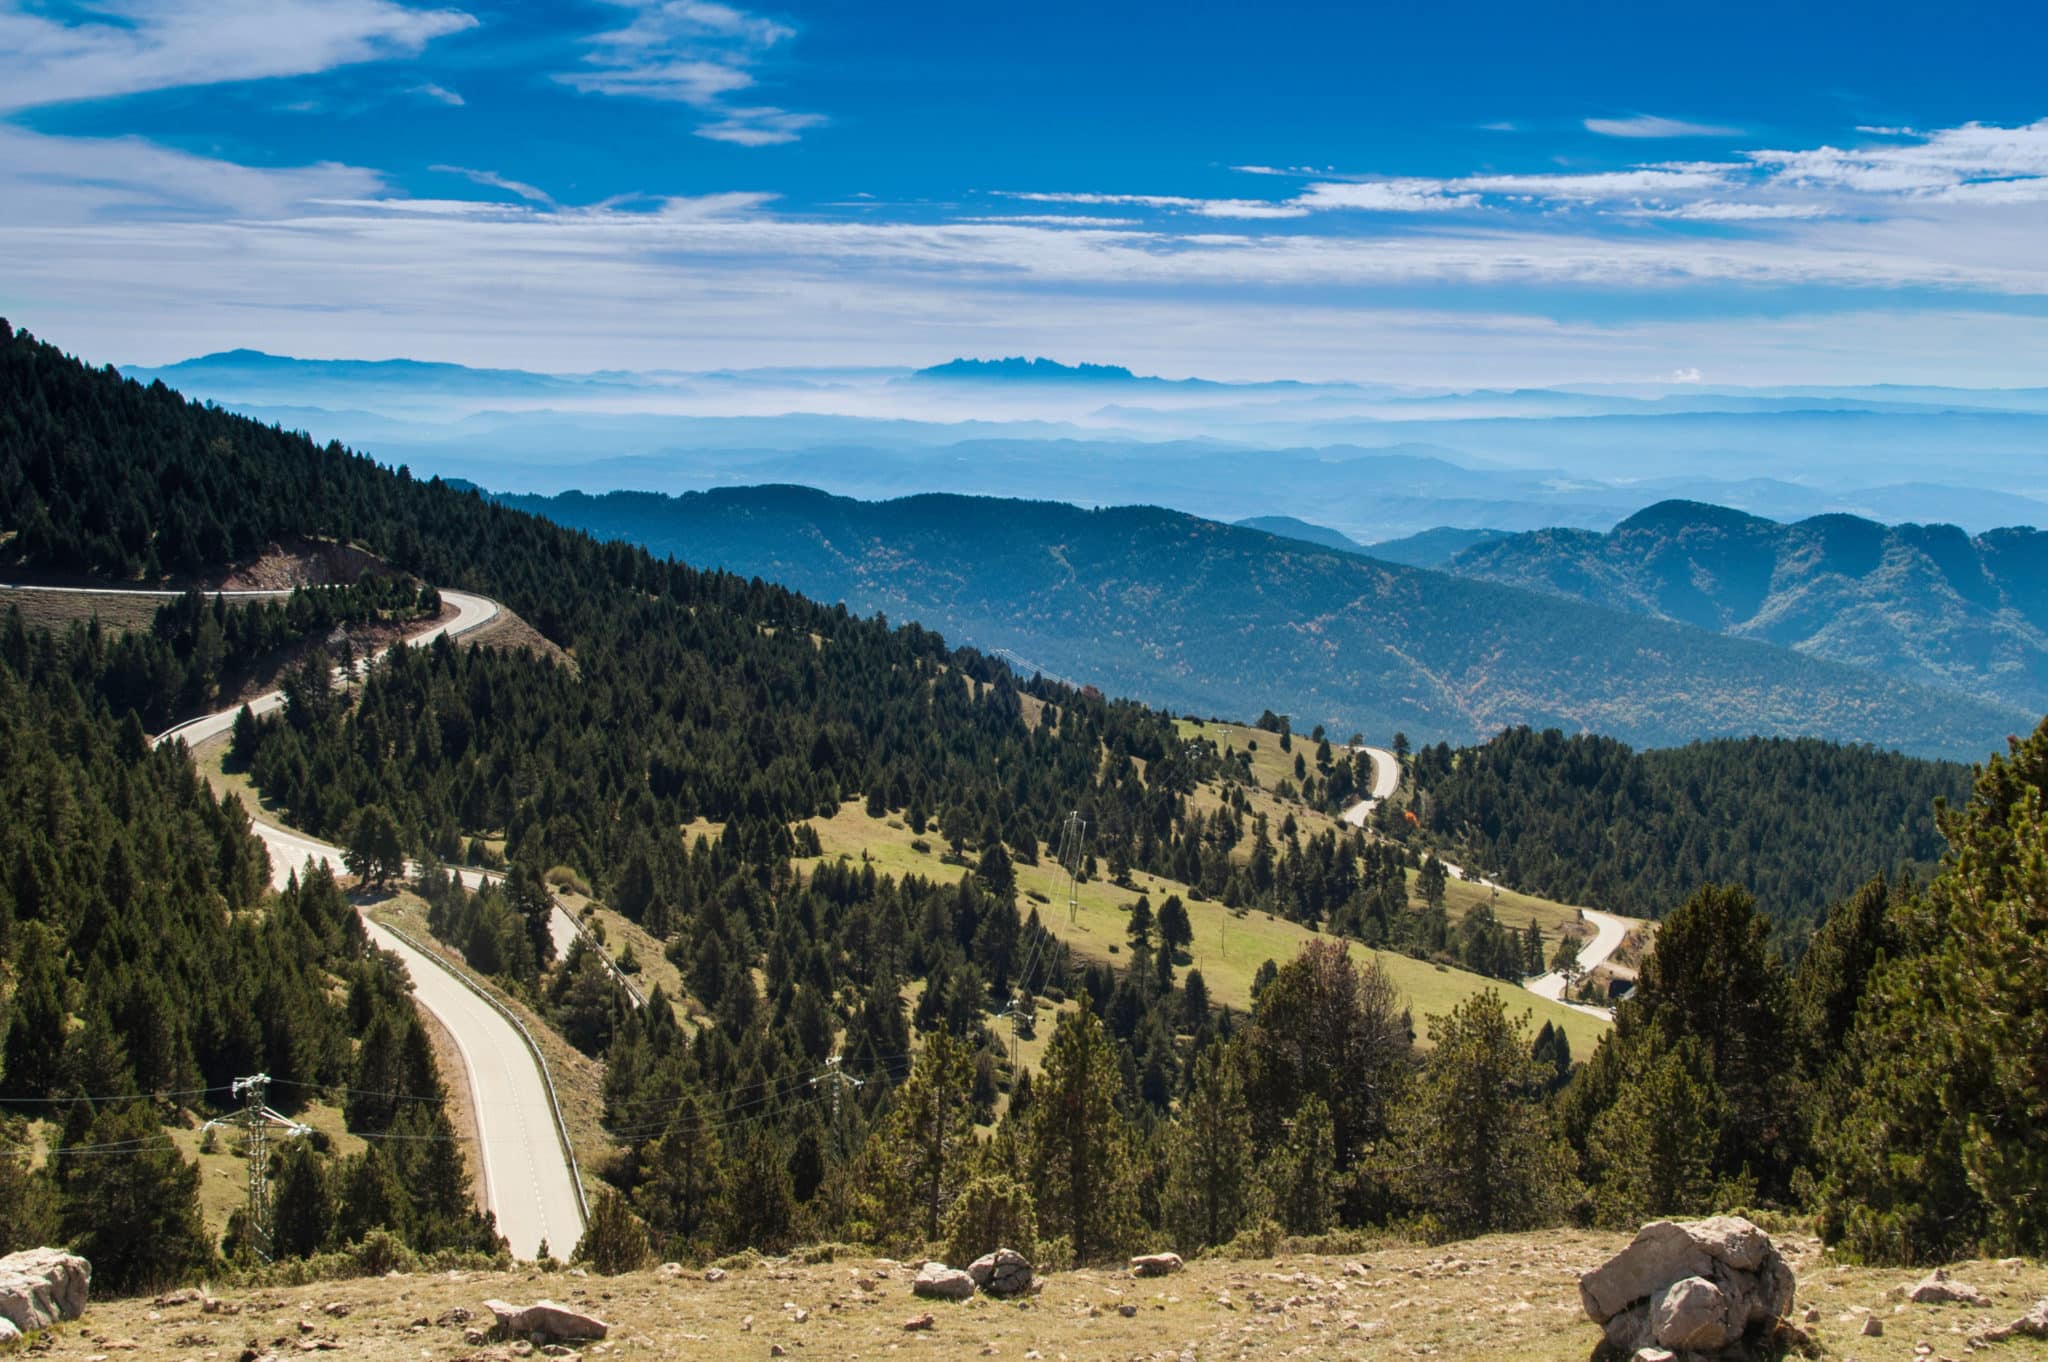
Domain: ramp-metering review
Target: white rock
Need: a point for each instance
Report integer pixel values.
(41, 1286)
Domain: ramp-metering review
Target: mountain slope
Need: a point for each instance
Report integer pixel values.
(1287, 527)
(1925, 603)
(1209, 617)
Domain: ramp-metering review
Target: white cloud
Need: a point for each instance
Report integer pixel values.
(1686, 375)
(1387, 196)
(760, 127)
(1722, 210)
(57, 180)
(696, 53)
(440, 94)
(129, 46)
(1937, 162)
(1649, 125)
(497, 181)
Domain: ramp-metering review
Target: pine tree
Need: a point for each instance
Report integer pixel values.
(1079, 1155)
(1655, 1145)
(683, 1179)
(134, 1218)
(303, 1209)
(1477, 1150)
(1211, 1158)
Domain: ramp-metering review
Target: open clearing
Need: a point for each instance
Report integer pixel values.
(1229, 947)
(1503, 1297)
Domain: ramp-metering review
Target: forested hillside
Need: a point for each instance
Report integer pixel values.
(1928, 604)
(1210, 618)
(709, 726)
(1799, 824)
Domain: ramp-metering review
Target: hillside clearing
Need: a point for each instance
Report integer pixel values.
(1229, 946)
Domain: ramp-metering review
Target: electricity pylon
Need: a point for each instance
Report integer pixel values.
(839, 1079)
(1073, 837)
(256, 1121)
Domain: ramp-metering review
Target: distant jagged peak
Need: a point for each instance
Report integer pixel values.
(1017, 368)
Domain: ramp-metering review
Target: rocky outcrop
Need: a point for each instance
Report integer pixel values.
(1696, 1288)
(944, 1283)
(553, 1322)
(1005, 1272)
(40, 1286)
(1155, 1264)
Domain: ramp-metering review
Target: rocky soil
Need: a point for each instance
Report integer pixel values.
(1505, 1297)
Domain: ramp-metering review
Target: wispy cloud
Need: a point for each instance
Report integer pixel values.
(760, 127)
(696, 53)
(440, 94)
(1650, 126)
(494, 180)
(132, 46)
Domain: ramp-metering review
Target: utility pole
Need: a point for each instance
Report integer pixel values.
(256, 1121)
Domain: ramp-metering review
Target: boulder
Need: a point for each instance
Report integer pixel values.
(40, 1286)
(1695, 1286)
(545, 1318)
(1937, 1289)
(2033, 1324)
(1005, 1272)
(1691, 1313)
(945, 1283)
(1155, 1264)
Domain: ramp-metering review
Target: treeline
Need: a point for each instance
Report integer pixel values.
(149, 967)
(1799, 823)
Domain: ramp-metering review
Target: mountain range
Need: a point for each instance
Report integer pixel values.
(1373, 462)
(1925, 603)
(1220, 619)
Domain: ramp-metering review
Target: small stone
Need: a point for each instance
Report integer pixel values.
(917, 1322)
(1873, 1327)
(777, 1350)
(802, 1316)
(1127, 1310)
(1654, 1355)
(714, 1274)
(1812, 1315)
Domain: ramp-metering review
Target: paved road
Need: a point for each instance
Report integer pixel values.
(1608, 931)
(471, 612)
(527, 1181)
(1386, 778)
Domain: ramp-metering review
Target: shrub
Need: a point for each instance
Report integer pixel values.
(615, 1241)
(994, 1210)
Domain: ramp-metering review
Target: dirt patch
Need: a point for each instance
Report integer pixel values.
(513, 634)
(119, 611)
(305, 562)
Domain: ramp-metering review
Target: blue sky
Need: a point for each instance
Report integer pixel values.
(1447, 193)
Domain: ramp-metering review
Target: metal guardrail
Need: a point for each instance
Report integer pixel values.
(547, 1078)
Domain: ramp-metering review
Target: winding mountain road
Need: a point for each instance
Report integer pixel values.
(1386, 778)
(527, 1180)
(1608, 932)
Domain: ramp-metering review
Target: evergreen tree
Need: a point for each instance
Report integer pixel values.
(1655, 1145)
(1211, 1158)
(1080, 1160)
(1941, 1151)
(1477, 1149)
(135, 1217)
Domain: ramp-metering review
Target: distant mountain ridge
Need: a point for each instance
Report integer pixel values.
(1213, 619)
(1928, 604)
(1287, 527)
